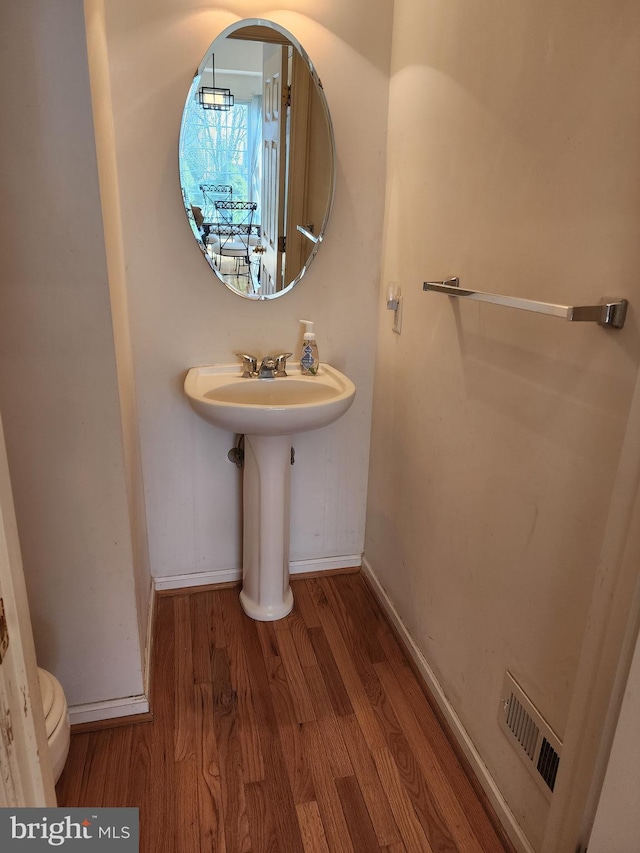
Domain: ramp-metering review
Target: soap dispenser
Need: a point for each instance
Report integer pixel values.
(309, 361)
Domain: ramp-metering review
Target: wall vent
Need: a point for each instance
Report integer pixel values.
(534, 740)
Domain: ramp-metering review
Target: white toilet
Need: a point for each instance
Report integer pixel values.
(56, 718)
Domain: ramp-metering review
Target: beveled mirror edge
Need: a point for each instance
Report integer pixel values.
(263, 22)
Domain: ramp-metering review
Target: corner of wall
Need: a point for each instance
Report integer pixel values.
(116, 271)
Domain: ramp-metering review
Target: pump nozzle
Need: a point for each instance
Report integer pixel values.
(309, 334)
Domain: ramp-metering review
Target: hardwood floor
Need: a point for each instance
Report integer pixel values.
(308, 734)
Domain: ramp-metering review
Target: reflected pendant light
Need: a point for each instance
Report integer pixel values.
(212, 97)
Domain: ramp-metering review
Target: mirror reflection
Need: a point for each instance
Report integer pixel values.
(257, 159)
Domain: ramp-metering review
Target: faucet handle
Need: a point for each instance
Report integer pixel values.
(249, 365)
(281, 363)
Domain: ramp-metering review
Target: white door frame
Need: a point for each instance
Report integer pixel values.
(607, 650)
(274, 89)
(26, 776)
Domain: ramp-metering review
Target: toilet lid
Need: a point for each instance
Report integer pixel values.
(53, 702)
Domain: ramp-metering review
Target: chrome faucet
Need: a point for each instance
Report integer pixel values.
(267, 368)
(271, 366)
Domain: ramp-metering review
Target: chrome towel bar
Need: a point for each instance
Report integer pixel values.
(610, 312)
(308, 234)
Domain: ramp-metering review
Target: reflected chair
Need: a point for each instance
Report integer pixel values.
(211, 193)
(235, 235)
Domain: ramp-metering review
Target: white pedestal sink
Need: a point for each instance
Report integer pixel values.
(267, 412)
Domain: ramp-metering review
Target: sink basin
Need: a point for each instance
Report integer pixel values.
(280, 406)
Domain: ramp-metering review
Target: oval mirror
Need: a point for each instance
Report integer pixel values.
(257, 159)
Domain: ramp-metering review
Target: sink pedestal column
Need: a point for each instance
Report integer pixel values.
(266, 594)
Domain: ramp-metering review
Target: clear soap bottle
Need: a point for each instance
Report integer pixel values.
(309, 360)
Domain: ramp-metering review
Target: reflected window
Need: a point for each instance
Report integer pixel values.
(219, 153)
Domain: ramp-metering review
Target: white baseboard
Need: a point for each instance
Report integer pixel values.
(108, 710)
(504, 813)
(325, 564)
(197, 579)
(192, 579)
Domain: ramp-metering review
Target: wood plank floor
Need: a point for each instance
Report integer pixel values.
(308, 734)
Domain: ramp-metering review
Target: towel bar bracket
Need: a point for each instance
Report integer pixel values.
(609, 312)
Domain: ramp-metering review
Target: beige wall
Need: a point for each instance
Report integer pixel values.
(512, 162)
(58, 382)
(182, 316)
